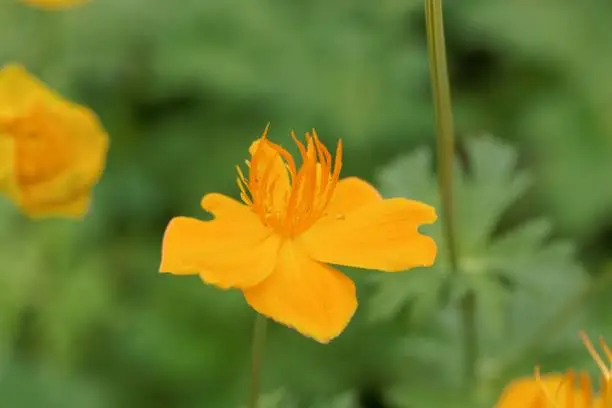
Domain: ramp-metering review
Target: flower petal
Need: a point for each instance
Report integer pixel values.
(19, 90)
(381, 235)
(316, 300)
(7, 163)
(233, 251)
(227, 209)
(60, 154)
(59, 147)
(533, 392)
(73, 207)
(268, 164)
(351, 193)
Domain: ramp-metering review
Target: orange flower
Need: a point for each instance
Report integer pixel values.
(54, 4)
(52, 152)
(276, 245)
(569, 390)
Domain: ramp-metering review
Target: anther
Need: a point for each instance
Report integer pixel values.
(544, 389)
(605, 370)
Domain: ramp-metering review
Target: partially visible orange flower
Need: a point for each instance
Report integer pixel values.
(294, 221)
(568, 390)
(54, 4)
(52, 151)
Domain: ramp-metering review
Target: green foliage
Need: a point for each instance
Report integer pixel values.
(510, 271)
(550, 92)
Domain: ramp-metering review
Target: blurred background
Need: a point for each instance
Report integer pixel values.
(86, 321)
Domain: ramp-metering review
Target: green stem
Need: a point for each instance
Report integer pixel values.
(259, 340)
(444, 120)
(445, 159)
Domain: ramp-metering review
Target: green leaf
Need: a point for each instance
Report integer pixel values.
(482, 196)
(518, 274)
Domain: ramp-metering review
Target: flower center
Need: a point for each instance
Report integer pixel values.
(285, 198)
(582, 395)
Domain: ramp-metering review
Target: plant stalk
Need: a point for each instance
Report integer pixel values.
(259, 340)
(445, 142)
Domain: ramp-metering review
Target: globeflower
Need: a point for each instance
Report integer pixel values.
(275, 246)
(52, 151)
(566, 390)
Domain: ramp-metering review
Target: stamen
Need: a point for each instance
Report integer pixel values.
(336, 172)
(587, 390)
(309, 195)
(311, 185)
(265, 132)
(605, 370)
(605, 392)
(241, 176)
(300, 146)
(243, 193)
(607, 351)
(544, 389)
(288, 159)
(325, 161)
